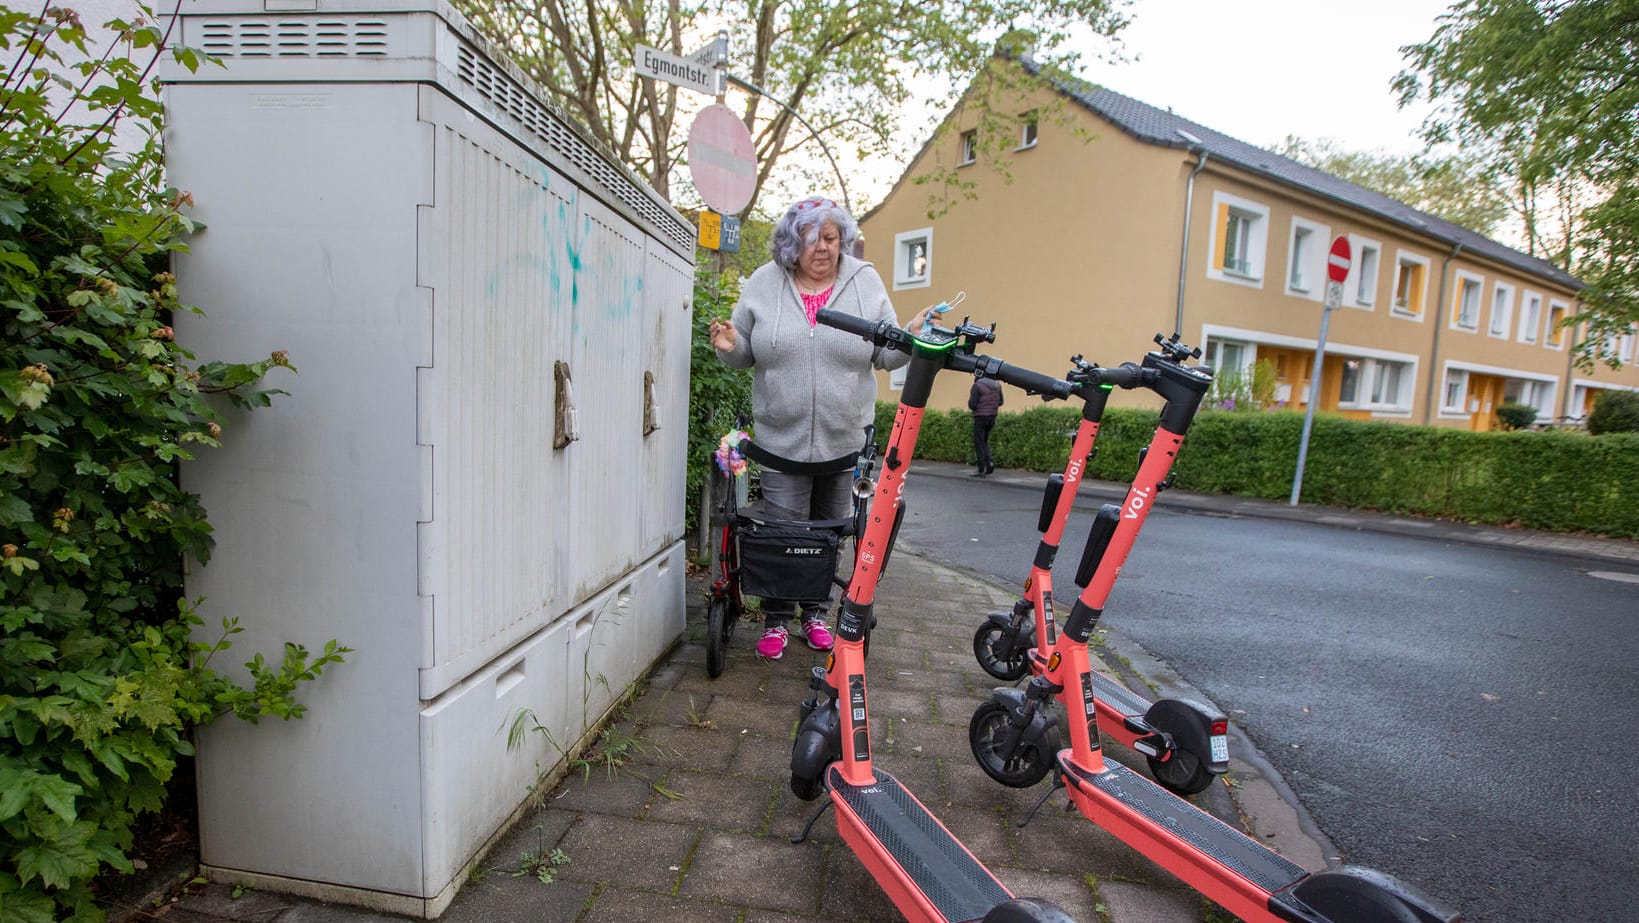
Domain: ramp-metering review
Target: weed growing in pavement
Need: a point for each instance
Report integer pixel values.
(542, 867)
(697, 721)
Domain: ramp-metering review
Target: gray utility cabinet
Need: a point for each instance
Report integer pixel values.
(476, 480)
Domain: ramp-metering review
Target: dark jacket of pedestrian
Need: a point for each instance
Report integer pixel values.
(985, 399)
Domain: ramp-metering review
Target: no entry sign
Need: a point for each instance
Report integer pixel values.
(722, 162)
(1337, 263)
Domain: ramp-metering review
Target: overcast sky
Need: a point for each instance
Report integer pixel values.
(1259, 70)
(1263, 69)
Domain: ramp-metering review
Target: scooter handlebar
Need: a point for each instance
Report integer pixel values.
(885, 334)
(878, 333)
(1035, 382)
(1125, 375)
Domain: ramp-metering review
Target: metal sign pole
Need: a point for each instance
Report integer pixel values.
(1338, 261)
(1334, 297)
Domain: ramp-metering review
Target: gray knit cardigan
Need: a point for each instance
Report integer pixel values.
(813, 390)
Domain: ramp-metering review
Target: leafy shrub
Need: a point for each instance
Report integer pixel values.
(1614, 412)
(1557, 481)
(1516, 416)
(102, 682)
(717, 393)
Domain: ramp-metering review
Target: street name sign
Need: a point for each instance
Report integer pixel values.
(652, 62)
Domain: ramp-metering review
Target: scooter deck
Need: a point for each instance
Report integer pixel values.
(957, 885)
(1208, 835)
(1122, 699)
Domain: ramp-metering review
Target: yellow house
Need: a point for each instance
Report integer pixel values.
(1159, 224)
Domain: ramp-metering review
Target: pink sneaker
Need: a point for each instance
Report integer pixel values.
(819, 637)
(772, 644)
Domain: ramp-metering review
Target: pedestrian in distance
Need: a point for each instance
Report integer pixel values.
(813, 387)
(984, 399)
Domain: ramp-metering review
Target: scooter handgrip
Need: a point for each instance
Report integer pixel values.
(848, 322)
(1034, 382)
(1125, 375)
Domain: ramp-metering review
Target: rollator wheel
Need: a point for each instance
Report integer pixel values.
(984, 649)
(719, 628)
(1184, 774)
(1031, 762)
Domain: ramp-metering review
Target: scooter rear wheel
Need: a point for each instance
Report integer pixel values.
(1184, 774)
(1030, 762)
(719, 628)
(1010, 668)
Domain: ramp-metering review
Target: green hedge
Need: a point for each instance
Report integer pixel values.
(1558, 481)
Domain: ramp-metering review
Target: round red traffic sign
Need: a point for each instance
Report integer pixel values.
(722, 161)
(1337, 264)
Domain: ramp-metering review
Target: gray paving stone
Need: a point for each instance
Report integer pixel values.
(642, 854)
(620, 905)
(770, 874)
(715, 800)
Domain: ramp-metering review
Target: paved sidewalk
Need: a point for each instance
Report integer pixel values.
(695, 823)
(695, 827)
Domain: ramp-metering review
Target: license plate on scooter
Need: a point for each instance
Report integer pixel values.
(1220, 748)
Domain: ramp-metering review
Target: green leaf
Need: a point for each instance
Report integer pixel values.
(58, 863)
(58, 794)
(14, 509)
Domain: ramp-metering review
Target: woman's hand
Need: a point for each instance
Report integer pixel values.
(923, 316)
(723, 335)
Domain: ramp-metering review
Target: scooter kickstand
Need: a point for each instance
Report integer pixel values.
(808, 827)
(1058, 783)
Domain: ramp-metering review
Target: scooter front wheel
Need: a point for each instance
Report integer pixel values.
(719, 628)
(1027, 910)
(1009, 668)
(1031, 760)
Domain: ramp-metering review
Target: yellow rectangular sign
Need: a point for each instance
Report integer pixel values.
(711, 229)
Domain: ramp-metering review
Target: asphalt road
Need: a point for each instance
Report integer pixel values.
(1459, 716)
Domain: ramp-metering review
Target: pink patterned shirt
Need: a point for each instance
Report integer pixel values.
(813, 303)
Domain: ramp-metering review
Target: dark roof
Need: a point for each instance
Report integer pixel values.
(1151, 125)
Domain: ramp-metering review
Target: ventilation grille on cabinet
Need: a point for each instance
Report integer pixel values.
(509, 97)
(324, 38)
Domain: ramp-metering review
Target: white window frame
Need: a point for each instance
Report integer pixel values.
(1257, 238)
(1460, 408)
(1545, 405)
(1370, 368)
(1532, 332)
(1307, 268)
(1300, 391)
(1028, 129)
(904, 275)
(1506, 293)
(1548, 329)
(1624, 347)
(1459, 287)
(1409, 311)
(1360, 277)
(967, 147)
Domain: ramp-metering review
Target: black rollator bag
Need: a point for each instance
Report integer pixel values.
(787, 560)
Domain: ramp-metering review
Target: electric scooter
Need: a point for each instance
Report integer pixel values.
(1243, 876)
(1186, 743)
(927, 873)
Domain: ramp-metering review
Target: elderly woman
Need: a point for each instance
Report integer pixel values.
(814, 389)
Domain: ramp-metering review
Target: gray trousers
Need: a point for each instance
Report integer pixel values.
(828, 496)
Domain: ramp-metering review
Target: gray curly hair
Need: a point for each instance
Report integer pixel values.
(801, 223)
